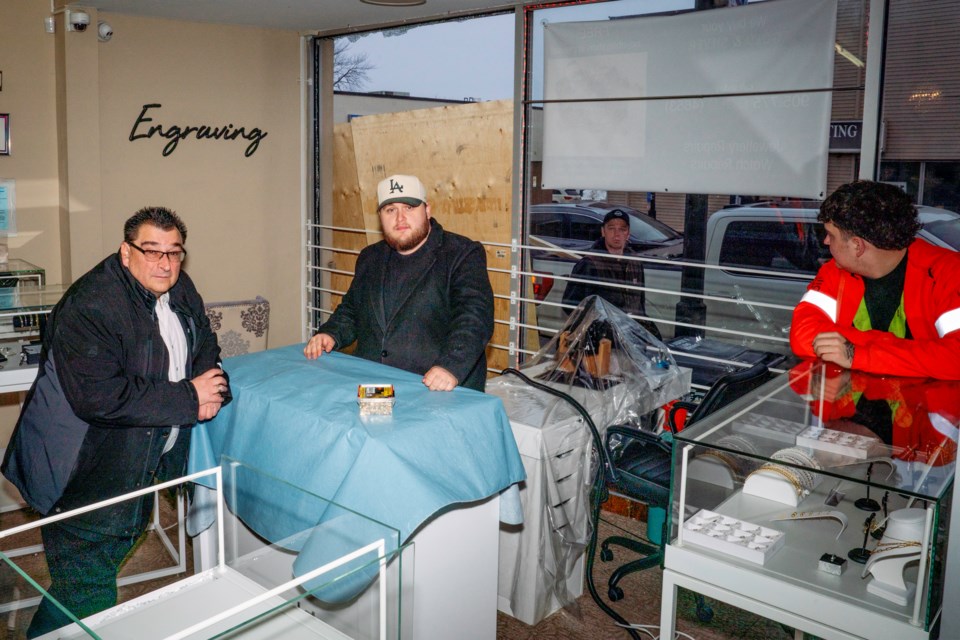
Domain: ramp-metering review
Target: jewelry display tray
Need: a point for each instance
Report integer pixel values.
(745, 540)
(832, 441)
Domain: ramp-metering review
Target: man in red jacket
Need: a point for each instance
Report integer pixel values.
(887, 302)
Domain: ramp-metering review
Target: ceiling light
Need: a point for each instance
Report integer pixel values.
(395, 3)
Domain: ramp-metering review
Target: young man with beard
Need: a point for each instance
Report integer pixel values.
(420, 299)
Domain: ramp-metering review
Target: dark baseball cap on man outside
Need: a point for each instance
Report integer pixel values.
(616, 214)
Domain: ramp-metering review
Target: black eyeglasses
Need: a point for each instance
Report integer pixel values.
(152, 255)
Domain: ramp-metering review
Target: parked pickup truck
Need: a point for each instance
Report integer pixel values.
(758, 262)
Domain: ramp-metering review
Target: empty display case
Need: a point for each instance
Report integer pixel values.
(321, 551)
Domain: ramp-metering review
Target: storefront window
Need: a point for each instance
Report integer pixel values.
(629, 131)
(905, 175)
(941, 185)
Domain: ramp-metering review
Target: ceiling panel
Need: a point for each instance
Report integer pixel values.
(301, 15)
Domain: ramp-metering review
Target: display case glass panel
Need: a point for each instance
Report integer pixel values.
(830, 480)
(320, 551)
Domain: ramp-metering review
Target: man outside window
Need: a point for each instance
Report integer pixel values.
(128, 364)
(420, 299)
(614, 239)
(887, 302)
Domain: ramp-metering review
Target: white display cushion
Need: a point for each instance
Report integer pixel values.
(900, 545)
(768, 484)
(744, 540)
(832, 441)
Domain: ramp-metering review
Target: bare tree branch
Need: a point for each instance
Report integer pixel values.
(350, 71)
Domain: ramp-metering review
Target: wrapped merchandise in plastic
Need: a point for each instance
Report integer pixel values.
(621, 375)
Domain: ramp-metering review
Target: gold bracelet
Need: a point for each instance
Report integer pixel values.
(725, 459)
(786, 475)
(890, 546)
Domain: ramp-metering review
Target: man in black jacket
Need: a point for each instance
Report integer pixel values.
(420, 299)
(614, 240)
(129, 363)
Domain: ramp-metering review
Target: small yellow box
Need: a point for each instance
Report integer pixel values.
(375, 399)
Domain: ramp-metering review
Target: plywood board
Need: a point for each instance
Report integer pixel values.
(347, 212)
(463, 155)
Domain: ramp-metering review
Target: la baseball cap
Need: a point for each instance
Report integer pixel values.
(400, 188)
(616, 214)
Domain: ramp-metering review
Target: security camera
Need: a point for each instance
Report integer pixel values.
(104, 31)
(78, 20)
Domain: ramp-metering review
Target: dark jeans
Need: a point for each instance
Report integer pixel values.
(83, 572)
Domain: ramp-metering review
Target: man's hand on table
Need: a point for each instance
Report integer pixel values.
(439, 379)
(832, 347)
(319, 344)
(208, 411)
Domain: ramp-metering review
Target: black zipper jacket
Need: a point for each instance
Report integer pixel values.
(96, 420)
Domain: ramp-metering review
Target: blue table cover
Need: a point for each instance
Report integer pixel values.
(298, 420)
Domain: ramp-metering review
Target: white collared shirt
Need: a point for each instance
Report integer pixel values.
(172, 332)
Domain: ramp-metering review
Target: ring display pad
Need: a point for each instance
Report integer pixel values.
(745, 540)
(782, 483)
(840, 442)
(769, 427)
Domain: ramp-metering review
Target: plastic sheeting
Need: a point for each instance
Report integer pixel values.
(621, 374)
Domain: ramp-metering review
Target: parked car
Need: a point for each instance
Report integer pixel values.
(784, 241)
(566, 195)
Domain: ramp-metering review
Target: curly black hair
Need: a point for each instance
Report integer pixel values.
(882, 214)
(160, 217)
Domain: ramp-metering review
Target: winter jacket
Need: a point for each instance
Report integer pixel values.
(96, 419)
(445, 319)
(608, 269)
(931, 301)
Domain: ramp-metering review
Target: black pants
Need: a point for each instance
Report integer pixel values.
(83, 572)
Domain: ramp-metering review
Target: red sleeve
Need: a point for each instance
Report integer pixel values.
(817, 311)
(934, 358)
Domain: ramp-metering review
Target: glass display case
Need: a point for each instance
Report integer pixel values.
(23, 312)
(25, 300)
(820, 500)
(312, 550)
(14, 272)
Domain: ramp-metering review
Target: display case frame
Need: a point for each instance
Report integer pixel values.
(721, 456)
(340, 554)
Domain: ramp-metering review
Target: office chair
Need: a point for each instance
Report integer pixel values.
(640, 463)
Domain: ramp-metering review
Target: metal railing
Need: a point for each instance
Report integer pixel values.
(520, 326)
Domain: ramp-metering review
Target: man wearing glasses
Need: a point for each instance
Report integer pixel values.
(420, 299)
(128, 364)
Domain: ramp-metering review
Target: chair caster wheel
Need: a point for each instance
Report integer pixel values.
(606, 555)
(705, 613)
(615, 594)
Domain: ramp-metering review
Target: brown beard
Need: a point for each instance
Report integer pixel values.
(419, 235)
